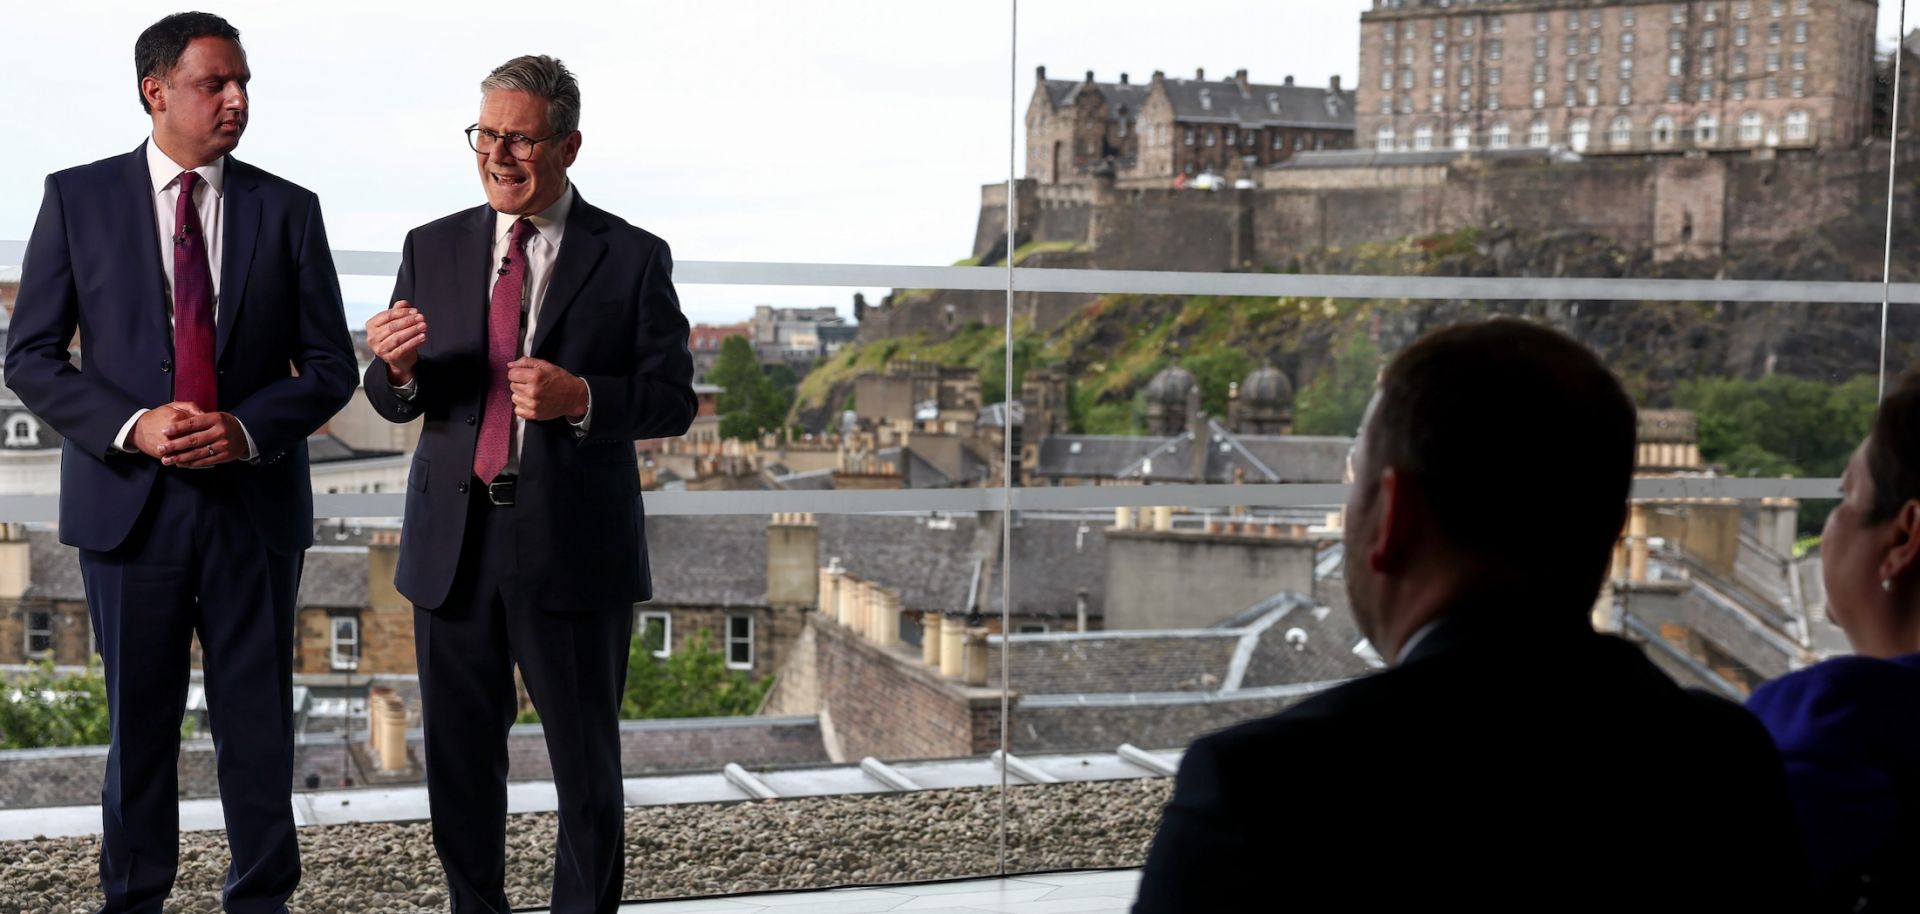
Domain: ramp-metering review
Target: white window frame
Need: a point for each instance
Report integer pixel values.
(666, 631)
(1620, 132)
(732, 640)
(1799, 125)
(30, 631)
(335, 659)
(1539, 135)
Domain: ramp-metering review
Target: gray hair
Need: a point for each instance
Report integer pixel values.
(543, 77)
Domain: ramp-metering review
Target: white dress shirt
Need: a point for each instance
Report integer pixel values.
(1419, 634)
(543, 248)
(208, 195)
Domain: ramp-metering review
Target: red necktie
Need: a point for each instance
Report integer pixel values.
(503, 346)
(194, 380)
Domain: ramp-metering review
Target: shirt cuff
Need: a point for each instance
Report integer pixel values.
(120, 442)
(253, 453)
(408, 390)
(585, 423)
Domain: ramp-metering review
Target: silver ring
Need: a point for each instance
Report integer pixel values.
(210, 450)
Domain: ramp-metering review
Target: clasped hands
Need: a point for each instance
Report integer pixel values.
(180, 434)
(541, 390)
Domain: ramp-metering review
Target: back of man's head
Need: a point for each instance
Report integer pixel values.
(1522, 444)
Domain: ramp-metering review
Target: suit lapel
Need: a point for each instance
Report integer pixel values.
(580, 252)
(472, 259)
(138, 236)
(242, 218)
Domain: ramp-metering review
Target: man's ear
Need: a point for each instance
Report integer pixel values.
(1393, 528)
(1905, 551)
(154, 90)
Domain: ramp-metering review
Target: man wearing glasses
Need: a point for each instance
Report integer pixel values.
(215, 344)
(556, 341)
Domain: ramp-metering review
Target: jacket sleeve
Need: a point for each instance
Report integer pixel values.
(380, 392)
(80, 405)
(655, 399)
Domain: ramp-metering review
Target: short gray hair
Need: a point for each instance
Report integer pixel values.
(543, 77)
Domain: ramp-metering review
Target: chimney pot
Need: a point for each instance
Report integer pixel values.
(1123, 79)
(1040, 72)
(1089, 76)
(1199, 74)
(1289, 79)
(1333, 83)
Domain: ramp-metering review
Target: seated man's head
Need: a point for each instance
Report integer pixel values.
(1495, 461)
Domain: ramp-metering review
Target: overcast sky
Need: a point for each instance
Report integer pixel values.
(853, 131)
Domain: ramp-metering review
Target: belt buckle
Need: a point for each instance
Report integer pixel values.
(500, 492)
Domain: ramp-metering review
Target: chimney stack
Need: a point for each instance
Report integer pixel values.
(1333, 83)
(1040, 73)
(1240, 76)
(1289, 80)
(1123, 79)
(1199, 74)
(1089, 77)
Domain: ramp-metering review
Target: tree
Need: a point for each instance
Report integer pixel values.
(1335, 402)
(750, 403)
(1216, 370)
(45, 708)
(693, 682)
(1779, 425)
(992, 365)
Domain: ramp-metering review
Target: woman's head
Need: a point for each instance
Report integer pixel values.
(1870, 550)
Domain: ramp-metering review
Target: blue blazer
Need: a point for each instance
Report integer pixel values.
(1849, 732)
(285, 362)
(611, 317)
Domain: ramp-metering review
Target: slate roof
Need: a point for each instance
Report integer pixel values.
(1222, 101)
(1260, 458)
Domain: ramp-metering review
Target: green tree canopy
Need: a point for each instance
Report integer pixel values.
(1335, 401)
(750, 402)
(45, 708)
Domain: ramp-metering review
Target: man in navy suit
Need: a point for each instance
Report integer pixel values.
(557, 340)
(1511, 759)
(215, 343)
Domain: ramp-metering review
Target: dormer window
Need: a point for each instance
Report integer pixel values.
(1333, 105)
(1273, 102)
(22, 431)
(1206, 100)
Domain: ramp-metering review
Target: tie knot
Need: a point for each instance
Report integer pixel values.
(522, 230)
(187, 180)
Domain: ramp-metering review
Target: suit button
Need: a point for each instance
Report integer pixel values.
(472, 419)
(461, 488)
(166, 364)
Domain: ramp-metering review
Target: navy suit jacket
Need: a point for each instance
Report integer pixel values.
(611, 317)
(1505, 766)
(284, 359)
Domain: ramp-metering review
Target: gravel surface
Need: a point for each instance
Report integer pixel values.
(672, 851)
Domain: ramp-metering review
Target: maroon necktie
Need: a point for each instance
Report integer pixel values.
(194, 380)
(503, 346)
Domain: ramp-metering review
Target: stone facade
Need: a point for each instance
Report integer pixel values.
(1625, 76)
(1171, 127)
(1166, 579)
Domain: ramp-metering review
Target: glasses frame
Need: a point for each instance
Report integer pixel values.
(475, 131)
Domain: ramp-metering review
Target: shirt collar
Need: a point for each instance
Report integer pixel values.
(164, 170)
(551, 222)
(1419, 634)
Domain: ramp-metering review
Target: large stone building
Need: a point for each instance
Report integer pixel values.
(1616, 76)
(1168, 127)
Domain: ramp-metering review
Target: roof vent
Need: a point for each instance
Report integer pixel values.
(1297, 638)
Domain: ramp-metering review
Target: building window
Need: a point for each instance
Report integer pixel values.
(1673, 92)
(1773, 87)
(1539, 98)
(1798, 87)
(1742, 9)
(1435, 103)
(1593, 19)
(1189, 136)
(1711, 13)
(1497, 137)
(1462, 136)
(1740, 63)
(1386, 104)
(1539, 47)
(1593, 43)
(1750, 124)
(1406, 79)
(1497, 24)
(740, 642)
(1573, 70)
(656, 634)
(1706, 91)
(1440, 28)
(1230, 136)
(1773, 33)
(1802, 7)
(1706, 66)
(1676, 40)
(1577, 134)
(1407, 31)
(1620, 132)
(1800, 32)
(1777, 8)
(1493, 49)
(1626, 42)
(1466, 52)
(1466, 28)
(1539, 72)
(1673, 65)
(1708, 37)
(1537, 135)
(1626, 94)
(1493, 100)
(1740, 35)
(1278, 142)
(1422, 138)
(1626, 69)
(1466, 100)
(22, 431)
(1773, 61)
(1593, 71)
(1799, 60)
(1572, 97)
(1573, 20)
(1573, 45)
(1593, 96)
(39, 632)
(344, 650)
(1030, 628)
(1439, 50)
(1406, 55)
(1678, 13)
(1739, 89)
(1493, 76)
(1663, 131)
(1626, 18)
(1406, 104)
(1539, 22)
(1439, 77)
(1706, 130)
(1799, 125)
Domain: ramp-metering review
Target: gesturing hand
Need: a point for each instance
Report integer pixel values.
(395, 336)
(204, 440)
(543, 390)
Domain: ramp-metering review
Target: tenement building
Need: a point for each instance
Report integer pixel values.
(1615, 76)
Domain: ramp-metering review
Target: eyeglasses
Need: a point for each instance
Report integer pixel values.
(519, 146)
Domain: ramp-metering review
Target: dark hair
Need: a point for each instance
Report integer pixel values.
(542, 77)
(1523, 443)
(1893, 449)
(158, 49)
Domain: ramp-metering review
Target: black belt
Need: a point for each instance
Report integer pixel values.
(501, 491)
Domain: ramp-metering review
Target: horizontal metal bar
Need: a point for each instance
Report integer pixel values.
(1156, 282)
(44, 509)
